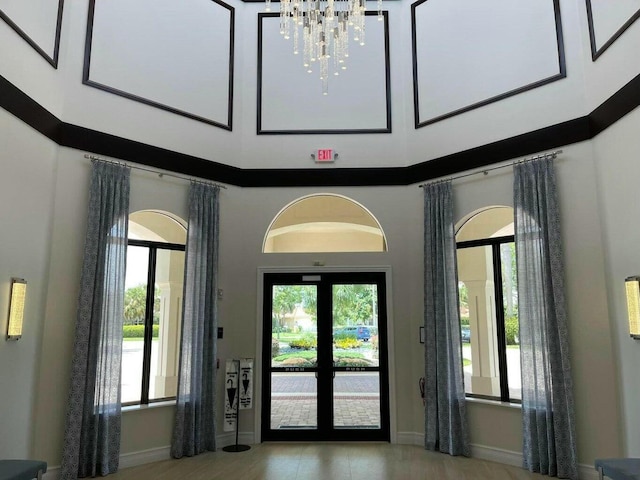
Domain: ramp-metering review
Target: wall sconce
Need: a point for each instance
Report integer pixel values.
(632, 285)
(16, 308)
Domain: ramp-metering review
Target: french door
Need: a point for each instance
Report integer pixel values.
(325, 369)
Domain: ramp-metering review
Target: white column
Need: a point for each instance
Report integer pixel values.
(475, 269)
(169, 279)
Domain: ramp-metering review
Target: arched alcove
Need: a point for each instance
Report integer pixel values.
(324, 223)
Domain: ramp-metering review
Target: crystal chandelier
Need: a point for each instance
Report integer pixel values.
(326, 27)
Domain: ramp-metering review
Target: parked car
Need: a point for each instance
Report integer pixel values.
(359, 332)
(465, 333)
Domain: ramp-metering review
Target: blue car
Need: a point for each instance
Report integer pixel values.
(360, 332)
(465, 333)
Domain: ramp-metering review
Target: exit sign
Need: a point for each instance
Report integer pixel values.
(325, 155)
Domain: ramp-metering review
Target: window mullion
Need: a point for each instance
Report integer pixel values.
(148, 326)
(500, 326)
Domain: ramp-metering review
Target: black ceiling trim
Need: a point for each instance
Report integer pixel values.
(615, 107)
(56, 42)
(580, 129)
(595, 51)
(565, 133)
(16, 102)
(117, 147)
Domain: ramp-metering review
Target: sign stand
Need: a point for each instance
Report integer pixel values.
(233, 394)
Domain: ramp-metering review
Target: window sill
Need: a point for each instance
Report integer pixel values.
(136, 408)
(495, 403)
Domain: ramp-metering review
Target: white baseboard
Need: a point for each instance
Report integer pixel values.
(409, 438)
(498, 455)
(143, 457)
(492, 454)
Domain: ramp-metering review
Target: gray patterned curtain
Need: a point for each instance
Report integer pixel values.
(549, 443)
(195, 423)
(92, 431)
(445, 413)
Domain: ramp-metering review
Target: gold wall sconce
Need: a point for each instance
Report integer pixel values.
(632, 285)
(16, 308)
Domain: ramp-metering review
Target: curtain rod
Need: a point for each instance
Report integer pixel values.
(152, 170)
(486, 171)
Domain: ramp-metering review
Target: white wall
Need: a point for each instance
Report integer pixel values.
(26, 218)
(245, 216)
(618, 171)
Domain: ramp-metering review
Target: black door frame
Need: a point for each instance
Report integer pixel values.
(325, 369)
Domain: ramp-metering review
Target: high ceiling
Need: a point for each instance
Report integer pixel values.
(209, 88)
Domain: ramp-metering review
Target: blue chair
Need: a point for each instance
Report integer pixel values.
(619, 468)
(22, 469)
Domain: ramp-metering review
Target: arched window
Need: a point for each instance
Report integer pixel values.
(489, 304)
(324, 223)
(152, 307)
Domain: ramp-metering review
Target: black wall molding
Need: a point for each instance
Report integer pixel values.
(262, 130)
(419, 123)
(595, 51)
(86, 80)
(16, 102)
(53, 60)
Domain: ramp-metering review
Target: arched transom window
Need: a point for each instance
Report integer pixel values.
(324, 223)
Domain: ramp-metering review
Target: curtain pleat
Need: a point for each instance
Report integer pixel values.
(549, 443)
(92, 429)
(446, 427)
(194, 428)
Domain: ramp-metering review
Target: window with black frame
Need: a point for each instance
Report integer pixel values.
(152, 310)
(488, 293)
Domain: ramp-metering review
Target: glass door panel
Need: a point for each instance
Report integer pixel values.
(294, 357)
(356, 400)
(325, 375)
(294, 400)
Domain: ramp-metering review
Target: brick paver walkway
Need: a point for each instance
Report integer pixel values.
(294, 400)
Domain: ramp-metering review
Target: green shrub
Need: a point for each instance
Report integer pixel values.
(464, 320)
(352, 362)
(512, 330)
(137, 331)
(306, 342)
(275, 347)
(346, 341)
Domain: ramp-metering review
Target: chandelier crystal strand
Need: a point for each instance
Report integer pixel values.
(326, 26)
(296, 35)
(306, 40)
(336, 51)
